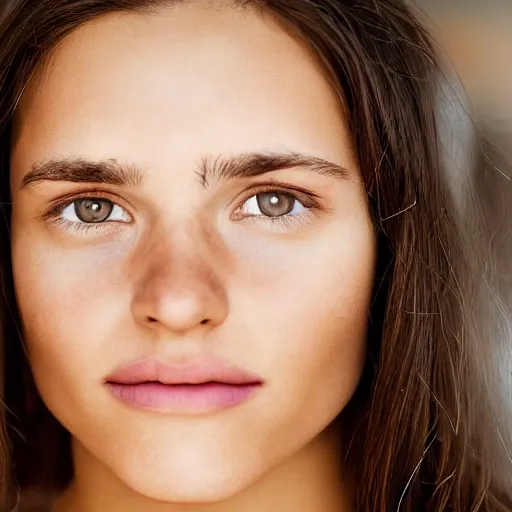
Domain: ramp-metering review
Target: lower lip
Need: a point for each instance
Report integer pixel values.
(182, 398)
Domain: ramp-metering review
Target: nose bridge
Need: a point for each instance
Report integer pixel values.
(178, 286)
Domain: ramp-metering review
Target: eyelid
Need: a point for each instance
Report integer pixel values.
(58, 205)
(309, 199)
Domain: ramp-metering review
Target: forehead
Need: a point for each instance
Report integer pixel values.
(193, 77)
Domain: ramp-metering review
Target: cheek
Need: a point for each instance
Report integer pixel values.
(309, 316)
(69, 305)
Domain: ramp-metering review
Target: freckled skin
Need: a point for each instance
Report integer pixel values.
(286, 301)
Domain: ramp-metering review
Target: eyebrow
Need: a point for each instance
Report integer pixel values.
(248, 165)
(220, 168)
(80, 170)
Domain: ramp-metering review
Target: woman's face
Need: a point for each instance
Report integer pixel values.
(185, 191)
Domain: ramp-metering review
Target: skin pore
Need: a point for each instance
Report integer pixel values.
(165, 121)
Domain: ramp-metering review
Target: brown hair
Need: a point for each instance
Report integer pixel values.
(416, 425)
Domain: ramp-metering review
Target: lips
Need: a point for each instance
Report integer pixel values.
(203, 386)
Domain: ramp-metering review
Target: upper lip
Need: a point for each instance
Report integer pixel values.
(200, 371)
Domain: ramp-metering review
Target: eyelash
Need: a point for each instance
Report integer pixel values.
(55, 211)
(306, 199)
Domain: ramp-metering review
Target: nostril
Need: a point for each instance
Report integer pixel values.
(151, 320)
(205, 321)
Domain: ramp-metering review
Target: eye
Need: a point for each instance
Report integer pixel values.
(272, 204)
(94, 211)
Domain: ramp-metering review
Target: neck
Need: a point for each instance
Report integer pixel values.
(309, 481)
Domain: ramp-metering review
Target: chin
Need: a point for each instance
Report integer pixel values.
(199, 479)
(189, 489)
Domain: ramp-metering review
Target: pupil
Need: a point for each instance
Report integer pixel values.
(93, 210)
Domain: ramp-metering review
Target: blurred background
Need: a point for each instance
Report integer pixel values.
(476, 38)
(477, 35)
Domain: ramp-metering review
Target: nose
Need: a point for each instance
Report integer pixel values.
(178, 291)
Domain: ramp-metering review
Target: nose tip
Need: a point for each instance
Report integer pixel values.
(181, 313)
(180, 303)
